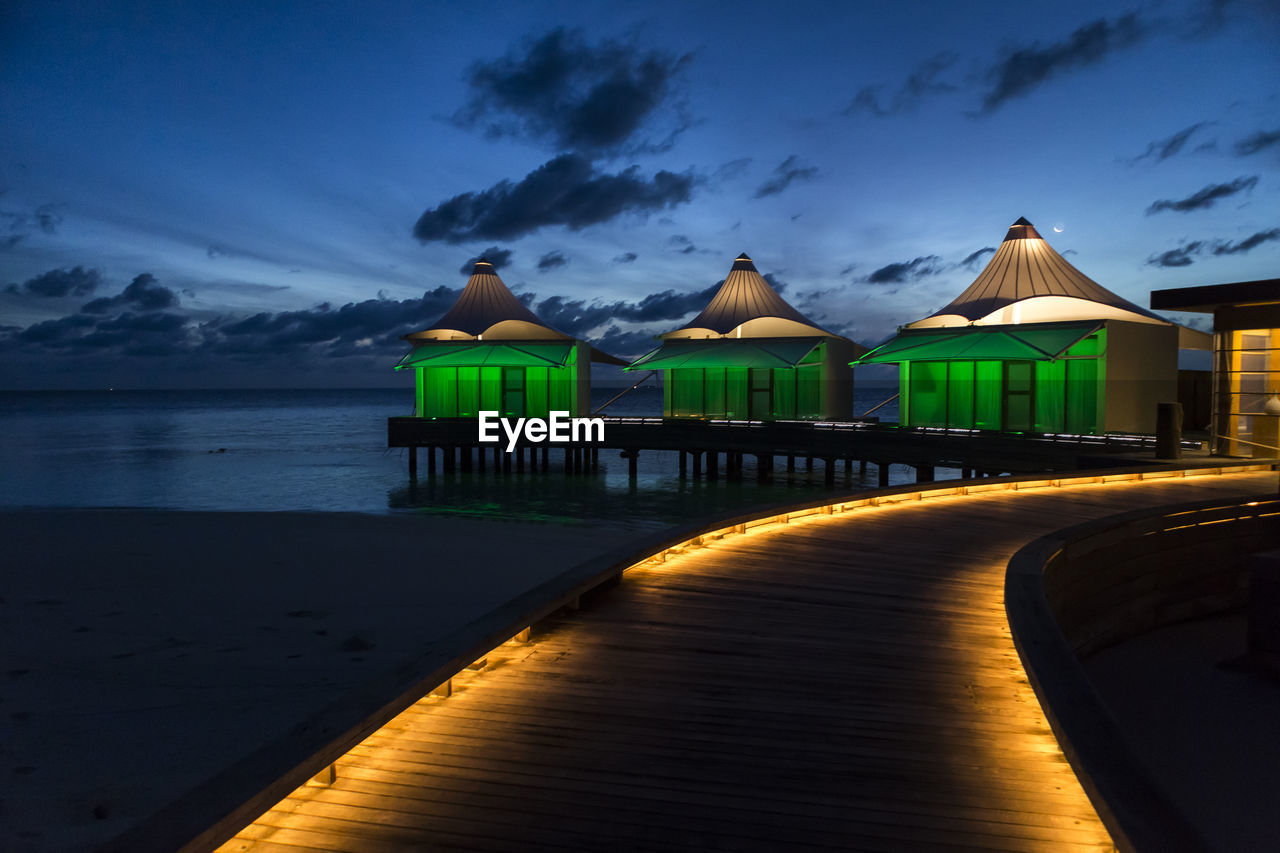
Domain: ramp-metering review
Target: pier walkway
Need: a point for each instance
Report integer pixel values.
(843, 682)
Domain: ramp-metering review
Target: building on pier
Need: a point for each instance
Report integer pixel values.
(491, 353)
(1246, 361)
(752, 356)
(1034, 345)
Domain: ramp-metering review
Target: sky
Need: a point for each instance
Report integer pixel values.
(206, 195)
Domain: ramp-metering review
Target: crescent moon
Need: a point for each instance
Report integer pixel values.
(1058, 228)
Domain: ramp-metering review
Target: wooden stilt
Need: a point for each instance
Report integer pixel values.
(431, 461)
(450, 461)
(465, 455)
(791, 463)
(684, 464)
(633, 457)
(413, 462)
(924, 473)
(882, 474)
(712, 473)
(506, 463)
(480, 452)
(519, 460)
(862, 467)
(829, 471)
(697, 464)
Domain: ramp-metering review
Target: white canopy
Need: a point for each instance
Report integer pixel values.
(1027, 281)
(746, 306)
(487, 310)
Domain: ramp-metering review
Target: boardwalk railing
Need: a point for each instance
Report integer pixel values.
(1079, 590)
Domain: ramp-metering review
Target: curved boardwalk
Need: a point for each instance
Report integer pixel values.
(847, 682)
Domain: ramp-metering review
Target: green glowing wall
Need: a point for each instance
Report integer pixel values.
(462, 392)
(815, 389)
(1063, 395)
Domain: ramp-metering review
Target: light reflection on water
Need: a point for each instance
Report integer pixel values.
(325, 451)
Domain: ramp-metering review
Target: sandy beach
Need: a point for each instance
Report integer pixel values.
(144, 651)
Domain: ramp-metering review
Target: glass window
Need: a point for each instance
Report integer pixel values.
(928, 389)
(1246, 377)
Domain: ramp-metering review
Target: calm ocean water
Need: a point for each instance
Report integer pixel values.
(325, 450)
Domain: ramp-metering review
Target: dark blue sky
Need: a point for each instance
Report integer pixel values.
(214, 195)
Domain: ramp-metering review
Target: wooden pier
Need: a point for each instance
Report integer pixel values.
(842, 681)
(711, 448)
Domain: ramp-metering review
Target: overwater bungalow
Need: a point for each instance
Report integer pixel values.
(750, 355)
(1035, 345)
(489, 352)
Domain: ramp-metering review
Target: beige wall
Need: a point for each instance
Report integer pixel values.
(1141, 372)
(837, 379)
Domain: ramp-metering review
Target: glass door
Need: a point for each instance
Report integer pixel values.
(513, 392)
(1019, 396)
(761, 400)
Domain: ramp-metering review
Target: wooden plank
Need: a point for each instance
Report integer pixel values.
(840, 681)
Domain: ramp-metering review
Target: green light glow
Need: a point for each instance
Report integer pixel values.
(1014, 395)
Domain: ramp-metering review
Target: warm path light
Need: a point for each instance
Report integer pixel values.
(837, 680)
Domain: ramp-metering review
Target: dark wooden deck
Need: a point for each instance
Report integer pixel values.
(769, 441)
(844, 682)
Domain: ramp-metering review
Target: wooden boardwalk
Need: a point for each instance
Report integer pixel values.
(847, 682)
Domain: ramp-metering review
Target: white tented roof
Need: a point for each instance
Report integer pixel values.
(1027, 281)
(488, 310)
(746, 306)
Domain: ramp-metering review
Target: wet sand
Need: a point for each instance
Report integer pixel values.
(143, 651)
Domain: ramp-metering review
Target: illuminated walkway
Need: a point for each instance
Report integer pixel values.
(846, 682)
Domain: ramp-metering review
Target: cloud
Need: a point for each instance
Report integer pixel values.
(1184, 255)
(498, 257)
(1245, 245)
(564, 191)
(973, 258)
(1024, 68)
(579, 318)
(1256, 142)
(77, 281)
(216, 251)
(44, 218)
(551, 261)
(732, 169)
(576, 95)
(627, 344)
(912, 270)
(1163, 149)
(684, 244)
(920, 83)
(1204, 198)
(784, 174)
(143, 293)
(625, 258)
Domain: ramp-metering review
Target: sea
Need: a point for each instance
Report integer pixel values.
(325, 451)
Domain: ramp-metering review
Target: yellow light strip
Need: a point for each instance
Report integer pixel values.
(809, 515)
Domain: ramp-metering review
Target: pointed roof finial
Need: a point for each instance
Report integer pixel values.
(1022, 230)
(742, 262)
